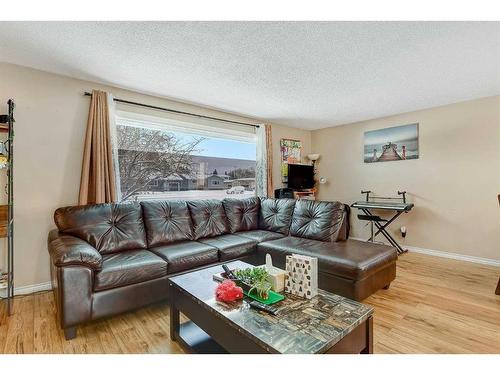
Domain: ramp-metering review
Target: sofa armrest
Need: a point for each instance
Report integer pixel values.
(66, 250)
(345, 228)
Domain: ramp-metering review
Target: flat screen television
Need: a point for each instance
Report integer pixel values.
(300, 176)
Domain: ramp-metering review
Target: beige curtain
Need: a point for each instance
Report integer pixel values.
(269, 157)
(264, 162)
(98, 182)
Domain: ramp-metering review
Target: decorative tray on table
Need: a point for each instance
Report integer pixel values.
(273, 297)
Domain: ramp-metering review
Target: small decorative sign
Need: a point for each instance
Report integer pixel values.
(301, 276)
(290, 154)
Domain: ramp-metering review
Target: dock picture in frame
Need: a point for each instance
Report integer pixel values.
(391, 144)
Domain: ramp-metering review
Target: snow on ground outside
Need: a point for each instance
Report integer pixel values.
(192, 194)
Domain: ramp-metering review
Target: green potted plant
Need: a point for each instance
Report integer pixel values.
(255, 280)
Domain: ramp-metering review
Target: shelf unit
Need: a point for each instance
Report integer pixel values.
(7, 211)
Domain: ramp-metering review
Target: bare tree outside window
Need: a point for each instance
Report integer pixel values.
(146, 155)
(158, 164)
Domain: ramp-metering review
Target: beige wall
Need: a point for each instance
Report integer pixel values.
(454, 184)
(51, 115)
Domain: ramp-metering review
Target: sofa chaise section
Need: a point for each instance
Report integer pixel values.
(351, 268)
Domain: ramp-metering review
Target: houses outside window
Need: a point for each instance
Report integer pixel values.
(162, 159)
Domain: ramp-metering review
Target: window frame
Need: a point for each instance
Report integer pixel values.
(213, 129)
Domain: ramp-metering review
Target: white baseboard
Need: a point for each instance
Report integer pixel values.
(445, 254)
(27, 289)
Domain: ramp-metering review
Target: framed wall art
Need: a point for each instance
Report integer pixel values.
(391, 144)
(290, 154)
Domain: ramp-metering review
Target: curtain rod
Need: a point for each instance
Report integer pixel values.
(178, 112)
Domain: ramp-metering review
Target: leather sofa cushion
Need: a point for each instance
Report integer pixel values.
(350, 259)
(107, 227)
(186, 255)
(276, 214)
(129, 267)
(231, 246)
(209, 218)
(167, 222)
(260, 235)
(317, 220)
(242, 214)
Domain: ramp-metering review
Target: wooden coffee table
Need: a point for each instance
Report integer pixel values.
(328, 323)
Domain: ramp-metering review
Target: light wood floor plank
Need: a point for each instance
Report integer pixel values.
(435, 305)
(20, 327)
(443, 306)
(107, 338)
(46, 335)
(3, 326)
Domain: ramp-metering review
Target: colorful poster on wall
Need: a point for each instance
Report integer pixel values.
(290, 154)
(390, 144)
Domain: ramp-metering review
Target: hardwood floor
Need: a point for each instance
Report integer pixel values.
(435, 305)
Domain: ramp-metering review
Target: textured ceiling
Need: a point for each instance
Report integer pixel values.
(304, 74)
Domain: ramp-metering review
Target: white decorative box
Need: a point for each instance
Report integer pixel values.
(301, 275)
(277, 279)
(276, 275)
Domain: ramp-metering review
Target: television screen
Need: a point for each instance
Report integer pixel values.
(300, 176)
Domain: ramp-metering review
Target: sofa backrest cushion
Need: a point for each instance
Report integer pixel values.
(209, 218)
(108, 227)
(317, 220)
(242, 214)
(166, 222)
(276, 214)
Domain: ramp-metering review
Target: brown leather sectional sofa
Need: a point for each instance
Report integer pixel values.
(111, 258)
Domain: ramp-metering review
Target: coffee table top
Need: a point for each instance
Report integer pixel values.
(301, 325)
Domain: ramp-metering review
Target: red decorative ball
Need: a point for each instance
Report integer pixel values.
(228, 291)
